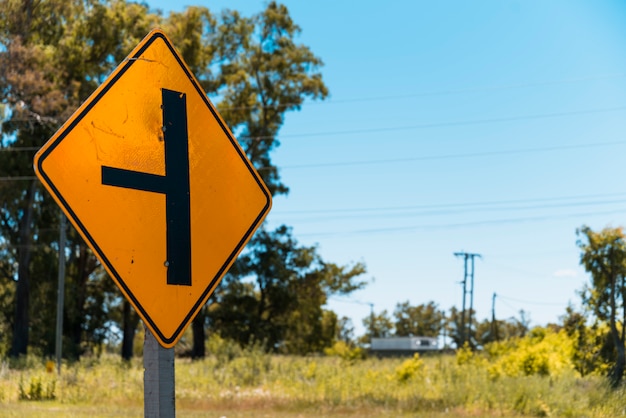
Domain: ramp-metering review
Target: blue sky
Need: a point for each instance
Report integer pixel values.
(492, 127)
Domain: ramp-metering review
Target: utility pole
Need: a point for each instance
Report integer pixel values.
(443, 328)
(467, 256)
(494, 327)
(371, 321)
(464, 296)
(471, 309)
(58, 348)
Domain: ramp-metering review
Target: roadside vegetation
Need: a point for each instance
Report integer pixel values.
(534, 376)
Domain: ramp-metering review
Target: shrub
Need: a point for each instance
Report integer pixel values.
(543, 352)
(464, 355)
(344, 351)
(37, 390)
(409, 369)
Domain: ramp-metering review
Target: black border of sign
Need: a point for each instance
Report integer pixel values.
(66, 130)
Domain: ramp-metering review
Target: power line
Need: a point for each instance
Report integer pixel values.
(392, 160)
(529, 302)
(473, 89)
(411, 228)
(444, 124)
(450, 156)
(444, 92)
(216, 99)
(453, 205)
(410, 159)
(386, 161)
(412, 214)
(521, 271)
(505, 303)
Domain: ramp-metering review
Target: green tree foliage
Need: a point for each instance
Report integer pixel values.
(345, 329)
(603, 255)
(53, 54)
(425, 320)
(489, 331)
(591, 343)
(256, 72)
(280, 301)
(479, 334)
(456, 330)
(377, 325)
(263, 74)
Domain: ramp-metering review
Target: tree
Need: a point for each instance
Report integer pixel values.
(53, 54)
(522, 325)
(603, 254)
(378, 325)
(458, 331)
(263, 74)
(591, 343)
(345, 329)
(425, 320)
(130, 320)
(22, 76)
(259, 73)
(488, 331)
(275, 293)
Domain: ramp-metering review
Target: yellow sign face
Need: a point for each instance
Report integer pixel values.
(154, 181)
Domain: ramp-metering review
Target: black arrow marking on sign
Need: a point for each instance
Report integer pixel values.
(174, 184)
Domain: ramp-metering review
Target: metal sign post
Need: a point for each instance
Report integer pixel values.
(158, 379)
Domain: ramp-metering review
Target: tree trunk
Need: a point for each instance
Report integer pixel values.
(198, 351)
(130, 326)
(618, 370)
(19, 344)
(620, 362)
(76, 321)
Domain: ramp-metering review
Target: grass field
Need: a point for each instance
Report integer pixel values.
(253, 384)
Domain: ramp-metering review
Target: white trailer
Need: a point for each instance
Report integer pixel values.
(398, 346)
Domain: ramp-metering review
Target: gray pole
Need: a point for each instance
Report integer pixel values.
(464, 255)
(471, 307)
(469, 325)
(60, 294)
(158, 379)
(471, 297)
(371, 321)
(494, 330)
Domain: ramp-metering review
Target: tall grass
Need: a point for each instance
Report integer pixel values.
(236, 382)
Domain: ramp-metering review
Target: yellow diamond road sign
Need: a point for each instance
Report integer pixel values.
(154, 181)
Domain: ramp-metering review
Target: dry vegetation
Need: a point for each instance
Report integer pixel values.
(513, 380)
